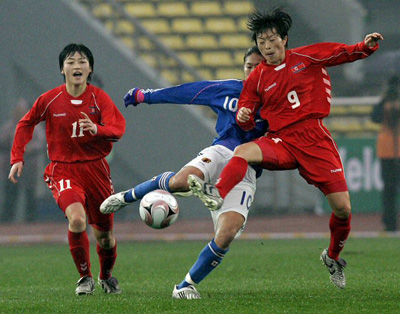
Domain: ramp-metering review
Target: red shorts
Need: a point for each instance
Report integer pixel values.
(308, 147)
(88, 183)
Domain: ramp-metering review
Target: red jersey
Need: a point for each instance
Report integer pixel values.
(66, 141)
(299, 88)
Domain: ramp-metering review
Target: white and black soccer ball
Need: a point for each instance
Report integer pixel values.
(159, 209)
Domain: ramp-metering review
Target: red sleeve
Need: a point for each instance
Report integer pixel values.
(331, 54)
(24, 130)
(113, 123)
(250, 98)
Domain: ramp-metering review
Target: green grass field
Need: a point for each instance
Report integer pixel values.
(264, 276)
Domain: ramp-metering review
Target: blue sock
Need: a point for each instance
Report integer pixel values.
(159, 182)
(209, 258)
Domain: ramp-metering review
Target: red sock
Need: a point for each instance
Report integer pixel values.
(340, 229)
(232, 174)
(79, 247)
(107, 260)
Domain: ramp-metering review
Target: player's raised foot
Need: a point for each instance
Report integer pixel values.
(85, 286)
(113, 203)
(206, 192)
(188, 292)
(110, 285)
(335, 269)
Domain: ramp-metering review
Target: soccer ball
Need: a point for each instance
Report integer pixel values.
(159, 209)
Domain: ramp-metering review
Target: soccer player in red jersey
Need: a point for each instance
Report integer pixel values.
(292, 89)
(82, 122)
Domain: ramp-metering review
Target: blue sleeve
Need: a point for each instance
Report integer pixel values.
(207, 93)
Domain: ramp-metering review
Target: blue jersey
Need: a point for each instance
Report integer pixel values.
(222, 97)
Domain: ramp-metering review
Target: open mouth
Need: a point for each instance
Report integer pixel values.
(77, 74)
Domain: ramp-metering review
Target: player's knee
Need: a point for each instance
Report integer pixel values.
(240, 151)
(249, 151)
(342, 210)
(77, 223)
(106, 242)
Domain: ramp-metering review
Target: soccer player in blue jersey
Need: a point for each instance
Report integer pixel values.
(222, 97)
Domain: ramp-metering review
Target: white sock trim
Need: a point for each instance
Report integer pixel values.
(188, 279)
(133, 194)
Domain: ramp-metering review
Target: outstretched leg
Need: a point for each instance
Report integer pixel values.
(167, 181)
(211, 256)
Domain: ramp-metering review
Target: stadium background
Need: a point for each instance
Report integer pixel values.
(159, 43)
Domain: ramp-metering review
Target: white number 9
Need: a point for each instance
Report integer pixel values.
(293, 99)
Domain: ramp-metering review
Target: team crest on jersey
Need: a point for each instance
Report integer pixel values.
(92, 109)
(298, 67)
(206, 160)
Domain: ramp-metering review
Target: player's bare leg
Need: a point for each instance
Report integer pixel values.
(340, 204)
(228, 225)
(340, 228)
(179, 182)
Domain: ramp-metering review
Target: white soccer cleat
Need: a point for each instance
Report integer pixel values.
(113, 203)
(206, 192)
(109, 286)
(183, 194)
(85, 286)
(188, 292)
(335, 269)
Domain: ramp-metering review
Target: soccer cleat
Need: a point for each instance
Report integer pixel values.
(183, 194)
(206, 192)
(113, 203)
(335, 269)
(188, 292)
(85, 286)
(110, 285)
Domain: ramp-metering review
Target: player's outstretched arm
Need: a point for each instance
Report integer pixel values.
(204, 93)
(371, 40)
(16, 169)
(133, 97)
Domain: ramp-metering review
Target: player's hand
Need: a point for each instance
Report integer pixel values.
(16, 169)
(372, 39)
(133, 97)
(87, 125)
(243, 115)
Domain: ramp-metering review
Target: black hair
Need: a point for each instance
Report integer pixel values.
(250, 51)
(70, 49)
(259, 22)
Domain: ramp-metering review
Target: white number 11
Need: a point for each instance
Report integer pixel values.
(293, 99)
(64, 184)
(74, 129)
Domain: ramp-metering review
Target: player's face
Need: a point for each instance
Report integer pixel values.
(76, 69)
(272, 46)
(250, 63)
